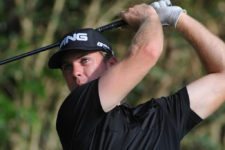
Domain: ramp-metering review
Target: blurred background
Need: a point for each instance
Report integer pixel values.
(30, 93)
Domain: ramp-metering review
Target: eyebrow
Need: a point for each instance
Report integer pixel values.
(76, 56)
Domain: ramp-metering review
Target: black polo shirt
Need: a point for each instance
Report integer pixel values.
(158, 124)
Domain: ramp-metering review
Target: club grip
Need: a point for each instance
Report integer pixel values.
(111, 25)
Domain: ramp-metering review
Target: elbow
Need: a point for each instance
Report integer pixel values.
(223, 64)
(217, 67)
(153, 52)
(147, 53)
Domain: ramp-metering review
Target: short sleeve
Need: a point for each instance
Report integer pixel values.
(80, 112)
(178, 112)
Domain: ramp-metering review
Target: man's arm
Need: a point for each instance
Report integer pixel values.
(144, 52)
(207, 93)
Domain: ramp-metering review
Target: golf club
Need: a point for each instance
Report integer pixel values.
(109, 26)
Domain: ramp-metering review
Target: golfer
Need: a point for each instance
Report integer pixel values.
(94, 115)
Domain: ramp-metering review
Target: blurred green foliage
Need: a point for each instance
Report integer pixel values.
(30, 93)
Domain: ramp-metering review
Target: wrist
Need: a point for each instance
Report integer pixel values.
(151, 17)
(180, 21)
(152, 13)
(178, 11)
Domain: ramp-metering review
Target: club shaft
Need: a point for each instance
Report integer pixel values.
(109, 26)
(8, 60)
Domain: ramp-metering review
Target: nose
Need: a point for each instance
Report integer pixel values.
(77, 74)
(77, 70)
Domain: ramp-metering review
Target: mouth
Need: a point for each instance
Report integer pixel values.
(78, 82)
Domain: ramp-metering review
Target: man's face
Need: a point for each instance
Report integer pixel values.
(80, 68)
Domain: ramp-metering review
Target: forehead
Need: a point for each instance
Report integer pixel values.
(77, 54)
(69, 56)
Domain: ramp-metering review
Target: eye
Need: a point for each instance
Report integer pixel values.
(67, 67)
(85, 60)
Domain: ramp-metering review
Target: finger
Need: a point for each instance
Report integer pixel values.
(162, 3)
(122, 14)
(167, 2)
(155, 5)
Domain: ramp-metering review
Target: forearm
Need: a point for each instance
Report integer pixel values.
(144, 52)
(149, 38)
(210, 48)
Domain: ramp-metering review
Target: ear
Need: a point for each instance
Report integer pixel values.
(111, 61)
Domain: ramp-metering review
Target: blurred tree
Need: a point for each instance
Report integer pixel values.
(31, 94)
